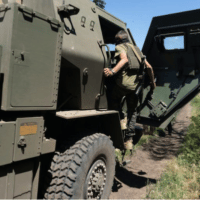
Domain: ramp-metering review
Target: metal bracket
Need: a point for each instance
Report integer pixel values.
(158, 110)
(22, 142)
(66, 9)
(4, 7)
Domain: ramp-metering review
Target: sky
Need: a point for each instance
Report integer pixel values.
(138, 14)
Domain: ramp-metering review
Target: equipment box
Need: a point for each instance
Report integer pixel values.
(30, 58)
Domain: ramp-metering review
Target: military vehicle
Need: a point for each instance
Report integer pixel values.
(56, 134)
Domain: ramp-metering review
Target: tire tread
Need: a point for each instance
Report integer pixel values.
(64, 166)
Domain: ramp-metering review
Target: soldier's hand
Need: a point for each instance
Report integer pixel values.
(107, 72)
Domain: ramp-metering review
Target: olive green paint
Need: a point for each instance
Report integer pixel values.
(52, 56)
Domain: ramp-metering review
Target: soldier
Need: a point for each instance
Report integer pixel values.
(126, 83)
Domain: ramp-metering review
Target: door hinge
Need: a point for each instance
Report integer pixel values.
(26, 10)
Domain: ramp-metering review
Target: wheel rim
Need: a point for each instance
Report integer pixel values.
(96, 180)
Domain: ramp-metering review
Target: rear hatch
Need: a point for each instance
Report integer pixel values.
(172, 47)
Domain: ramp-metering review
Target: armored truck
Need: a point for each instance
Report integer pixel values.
(57, 136)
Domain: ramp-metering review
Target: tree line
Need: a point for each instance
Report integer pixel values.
(100, 3)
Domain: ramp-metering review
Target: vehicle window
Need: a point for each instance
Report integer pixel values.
(109, 30)
(112, 47)
(174, 42)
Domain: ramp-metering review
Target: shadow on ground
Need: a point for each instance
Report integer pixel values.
(165, 146)
(149, 161)
(131, 179)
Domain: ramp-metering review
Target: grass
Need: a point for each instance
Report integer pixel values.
(196, 105)
(181, 179)
(143, 140)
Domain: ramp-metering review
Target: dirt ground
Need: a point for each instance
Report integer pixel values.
(149, 161)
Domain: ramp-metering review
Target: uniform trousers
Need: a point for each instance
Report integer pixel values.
(117, 96)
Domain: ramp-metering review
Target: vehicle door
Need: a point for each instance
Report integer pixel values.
(172, 47)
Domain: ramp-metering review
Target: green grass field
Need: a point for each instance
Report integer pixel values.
(196, 105)
(181, 179)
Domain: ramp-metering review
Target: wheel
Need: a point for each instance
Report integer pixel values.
(85, 171)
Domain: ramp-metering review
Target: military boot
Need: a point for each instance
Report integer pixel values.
(128, 143)
(123, 123)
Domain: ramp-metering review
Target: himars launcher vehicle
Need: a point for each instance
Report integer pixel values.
(57, 137)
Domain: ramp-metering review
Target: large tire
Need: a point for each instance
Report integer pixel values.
(84, 171)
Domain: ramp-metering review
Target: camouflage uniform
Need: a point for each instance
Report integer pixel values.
(126, 84)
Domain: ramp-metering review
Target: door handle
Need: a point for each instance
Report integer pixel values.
(97, 99)
(109, 53)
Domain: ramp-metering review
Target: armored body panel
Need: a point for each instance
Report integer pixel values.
(30, 49)
(83, 56)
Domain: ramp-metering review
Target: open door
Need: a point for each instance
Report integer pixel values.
(172, 47)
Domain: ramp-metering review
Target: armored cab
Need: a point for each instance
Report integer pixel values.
(52, 55)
